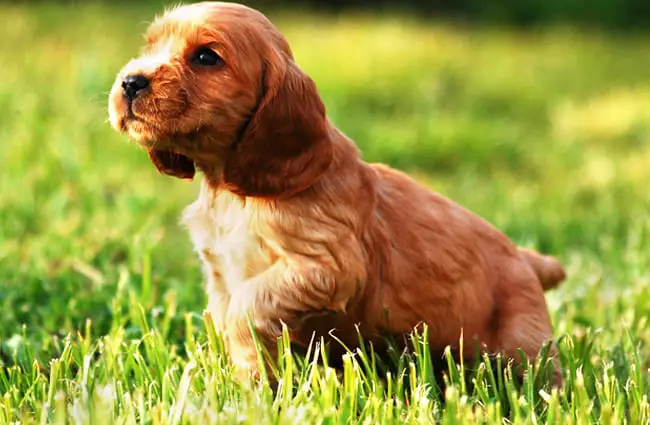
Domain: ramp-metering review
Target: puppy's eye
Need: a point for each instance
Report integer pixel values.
(207, 57)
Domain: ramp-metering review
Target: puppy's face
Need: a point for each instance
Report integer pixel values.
(197, 76)
(216, 86)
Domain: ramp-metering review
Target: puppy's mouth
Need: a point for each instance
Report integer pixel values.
(172, 163)
(138, 128)
(150, 136)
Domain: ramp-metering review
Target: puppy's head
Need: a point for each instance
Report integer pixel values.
(216, 87)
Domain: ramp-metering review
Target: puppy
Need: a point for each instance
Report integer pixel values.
(291, 225)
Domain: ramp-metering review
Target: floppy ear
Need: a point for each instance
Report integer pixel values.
(286, 146)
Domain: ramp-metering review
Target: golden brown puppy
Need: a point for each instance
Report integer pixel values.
(291, 225)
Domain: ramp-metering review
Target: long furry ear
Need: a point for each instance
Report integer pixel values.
(286, 146)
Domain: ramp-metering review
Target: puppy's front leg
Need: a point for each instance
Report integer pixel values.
(282, 294)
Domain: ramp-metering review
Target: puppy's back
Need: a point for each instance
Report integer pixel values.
(446, 265)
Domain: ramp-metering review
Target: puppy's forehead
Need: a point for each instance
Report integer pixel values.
(203, 21)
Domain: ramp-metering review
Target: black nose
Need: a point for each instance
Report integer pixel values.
(133, 84)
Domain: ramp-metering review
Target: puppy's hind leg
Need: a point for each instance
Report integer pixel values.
(524, 325)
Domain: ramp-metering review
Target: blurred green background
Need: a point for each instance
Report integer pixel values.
(542, 129)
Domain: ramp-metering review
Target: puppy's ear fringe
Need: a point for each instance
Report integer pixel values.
(286, 146)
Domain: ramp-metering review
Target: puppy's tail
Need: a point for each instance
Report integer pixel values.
(548, 269)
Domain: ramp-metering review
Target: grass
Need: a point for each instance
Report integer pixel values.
(543, 133)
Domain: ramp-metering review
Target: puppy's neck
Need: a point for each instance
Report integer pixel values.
(212, 173)
(208, 153)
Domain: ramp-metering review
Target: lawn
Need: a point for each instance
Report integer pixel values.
(544, 132)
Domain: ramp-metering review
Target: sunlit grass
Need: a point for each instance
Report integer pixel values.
(543, 133)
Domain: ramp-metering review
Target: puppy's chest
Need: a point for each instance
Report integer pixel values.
(224, 238)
